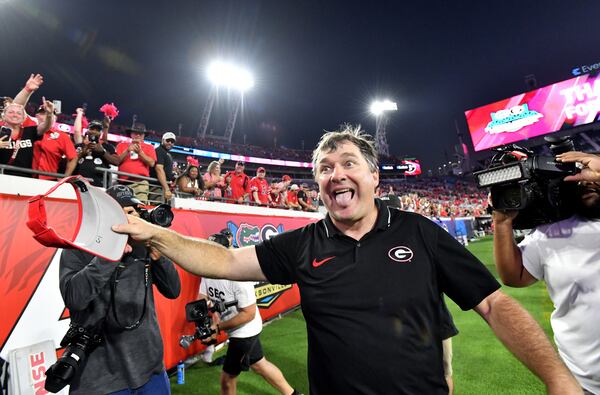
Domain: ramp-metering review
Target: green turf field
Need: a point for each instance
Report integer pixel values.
(482, 365)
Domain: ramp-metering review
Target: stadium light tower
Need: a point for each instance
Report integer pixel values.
(232, 77)
(379, 109)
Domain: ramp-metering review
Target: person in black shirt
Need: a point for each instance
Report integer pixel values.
(163, 168)
(303, 200)
(116, 300)
(16, 147)
(93, 153)
(373, 276)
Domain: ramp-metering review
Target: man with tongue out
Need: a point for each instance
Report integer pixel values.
(371, 280)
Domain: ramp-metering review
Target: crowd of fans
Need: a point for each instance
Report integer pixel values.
(33, 142)
(444, 197)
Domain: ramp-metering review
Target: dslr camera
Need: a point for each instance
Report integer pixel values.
(198, 313)
(93, 138)
(531, 184)
(79, 343)
(161, 215)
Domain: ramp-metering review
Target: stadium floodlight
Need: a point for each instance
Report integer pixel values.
(230, 76)
(379, 107)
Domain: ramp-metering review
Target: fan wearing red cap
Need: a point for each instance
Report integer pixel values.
(259, 188)
(239, 184)
(282, 188)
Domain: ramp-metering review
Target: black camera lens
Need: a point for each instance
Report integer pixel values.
(161, 215)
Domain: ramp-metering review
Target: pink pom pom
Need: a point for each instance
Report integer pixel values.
(192, 161)
(110, 110)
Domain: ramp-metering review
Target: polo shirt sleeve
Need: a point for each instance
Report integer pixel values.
(531, 256)
(247, 188)
(122, 147)
(69, 147)
(253, 185)
(160, 157)
(461, 275)
(150, 151)
(278, 256)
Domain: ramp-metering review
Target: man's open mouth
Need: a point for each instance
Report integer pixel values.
(343, 196)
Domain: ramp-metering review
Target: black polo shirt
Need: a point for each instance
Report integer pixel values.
(372, 307)
(163, 157)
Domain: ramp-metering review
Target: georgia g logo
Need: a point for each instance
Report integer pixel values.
(401, 254)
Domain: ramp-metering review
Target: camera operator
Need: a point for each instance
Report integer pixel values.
(243, 325)
(565, 255)
(93, 152)
(116, 300)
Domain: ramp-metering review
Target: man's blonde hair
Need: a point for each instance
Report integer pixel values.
(330, 141)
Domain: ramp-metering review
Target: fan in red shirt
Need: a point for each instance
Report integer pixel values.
(136, 157)
(49, 151)
(259, 187)
(239, 184)
(292, 198)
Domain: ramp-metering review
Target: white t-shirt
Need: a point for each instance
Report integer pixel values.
(566, 255)
(227, 291)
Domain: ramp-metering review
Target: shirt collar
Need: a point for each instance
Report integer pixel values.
(383, 221)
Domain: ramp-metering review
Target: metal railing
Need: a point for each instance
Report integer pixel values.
(155, 192)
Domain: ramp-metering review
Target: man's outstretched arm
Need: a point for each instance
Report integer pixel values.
(197, 256)
(523, 337)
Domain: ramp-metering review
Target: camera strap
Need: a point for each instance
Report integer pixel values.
(16, 148)
(147, 285)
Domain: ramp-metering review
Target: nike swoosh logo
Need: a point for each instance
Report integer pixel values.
(316, 263)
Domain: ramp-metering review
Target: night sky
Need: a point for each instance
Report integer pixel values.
(317, 64)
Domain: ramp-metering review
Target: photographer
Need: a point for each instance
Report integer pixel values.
(565, 255)
(243, 324)
(93, 152)
(116, 301)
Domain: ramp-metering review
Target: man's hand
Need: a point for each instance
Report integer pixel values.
(137, 148)
(34, 82)
(131, 148)
(48, 106)
(504, 217)
(79, 111)
(137, 229)
(590, 162)
(167, 194)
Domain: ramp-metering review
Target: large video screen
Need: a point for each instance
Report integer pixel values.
(559, 106)
(410, 167)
